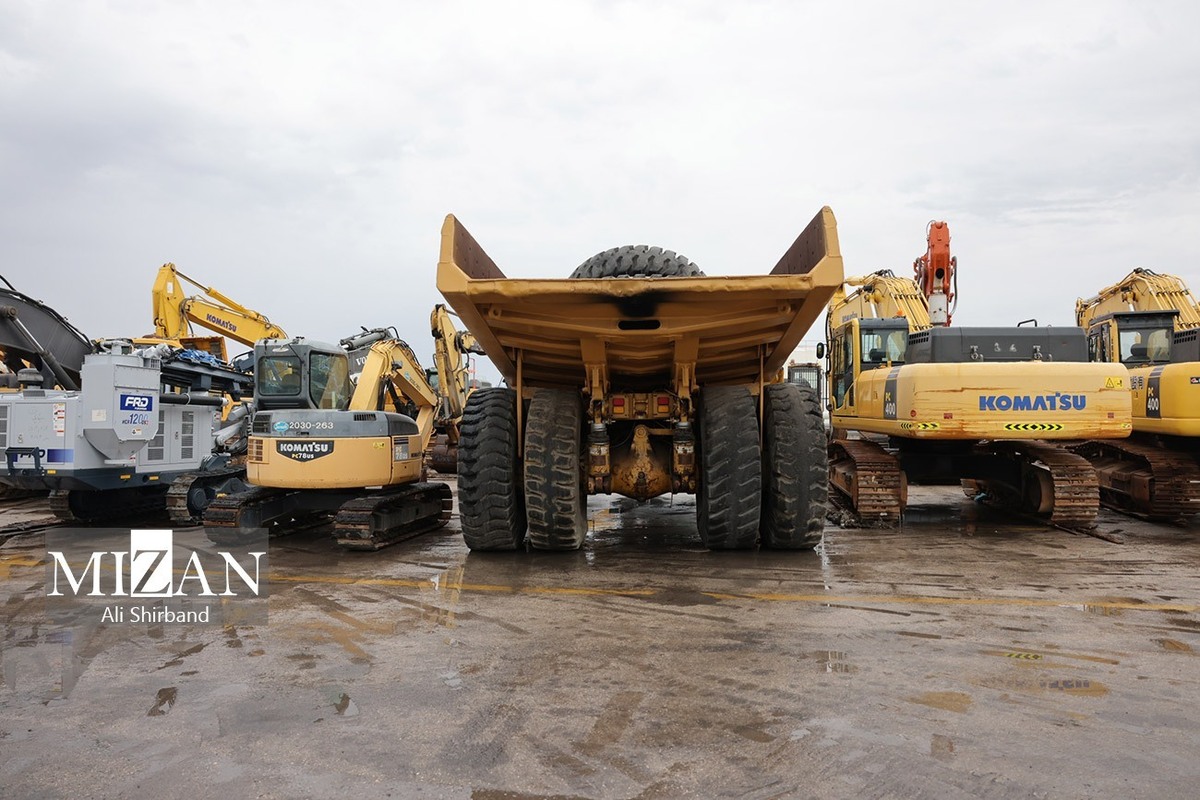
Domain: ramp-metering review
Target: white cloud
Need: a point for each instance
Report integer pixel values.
(301, 156)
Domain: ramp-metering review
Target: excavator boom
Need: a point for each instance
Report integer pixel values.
(936, 273)
(880, 295)
(174, 312)
(450, 354)
(1141, 290)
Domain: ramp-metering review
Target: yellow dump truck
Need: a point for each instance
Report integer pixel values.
(639, 375)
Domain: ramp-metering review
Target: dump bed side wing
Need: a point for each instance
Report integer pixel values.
(633, 332)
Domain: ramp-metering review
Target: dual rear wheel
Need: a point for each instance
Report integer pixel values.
(773, 491)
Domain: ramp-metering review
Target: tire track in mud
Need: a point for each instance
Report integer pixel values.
(484, 740)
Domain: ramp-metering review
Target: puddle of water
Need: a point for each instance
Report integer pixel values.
(446, 591)
(179, 657)
(1079, 686)
(920, 635)
(343, 706)
(163, 702)
(1016, 655)
(830, 661)
(1111, 606)
(682, 597)
(1082, 687)
(958, 702)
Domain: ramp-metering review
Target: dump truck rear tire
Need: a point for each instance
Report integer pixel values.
(554, 497)
(795, 484)
(490, 498)
(729, 500)
(637, 261)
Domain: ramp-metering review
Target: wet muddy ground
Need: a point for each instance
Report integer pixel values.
(967, 654)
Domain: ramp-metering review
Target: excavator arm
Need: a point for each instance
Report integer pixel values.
(1142, 290)
(451, 347)
(175, 312)
(391, 371)
(880, 295)
(936, 273)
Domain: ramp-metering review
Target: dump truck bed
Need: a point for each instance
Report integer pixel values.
(633, 332)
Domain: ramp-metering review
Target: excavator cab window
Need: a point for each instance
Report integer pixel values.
(1099, 343)
(279, 376)
(1145, 345)
(329, 380)
(841, 353)
(880, 347)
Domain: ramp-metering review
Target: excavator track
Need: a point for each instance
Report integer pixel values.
(192, 493)
(390, 516)
(1057, 485)
(1143, 479)
(92, 507)
(868, 480)
(224, 522)
(226, 518)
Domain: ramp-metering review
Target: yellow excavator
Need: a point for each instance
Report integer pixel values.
(452, 379)
(175, 312)
(936, 404)
(1150, 323)
(320, 445)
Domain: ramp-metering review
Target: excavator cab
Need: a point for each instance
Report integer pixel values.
(1133, 338)
(861, 345)
(301, 375)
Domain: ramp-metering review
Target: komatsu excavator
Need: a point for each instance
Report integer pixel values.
(321, 446)
(1150, 323)
(962, 404)
(175, 313)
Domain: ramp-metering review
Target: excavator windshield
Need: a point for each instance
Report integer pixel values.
(879, 347)
(329, 380)
(1144, 338)
(282, 377)
(279, 376)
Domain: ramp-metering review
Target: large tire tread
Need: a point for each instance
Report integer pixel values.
(795, 468)
(490, 498)
(555, 500)
(729, 500)
(637, 261)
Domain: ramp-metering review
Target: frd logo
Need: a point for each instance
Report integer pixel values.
(137, 402)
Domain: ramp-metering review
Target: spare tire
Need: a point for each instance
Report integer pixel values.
(637, 261)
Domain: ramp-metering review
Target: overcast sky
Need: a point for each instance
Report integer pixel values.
(301, 156)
